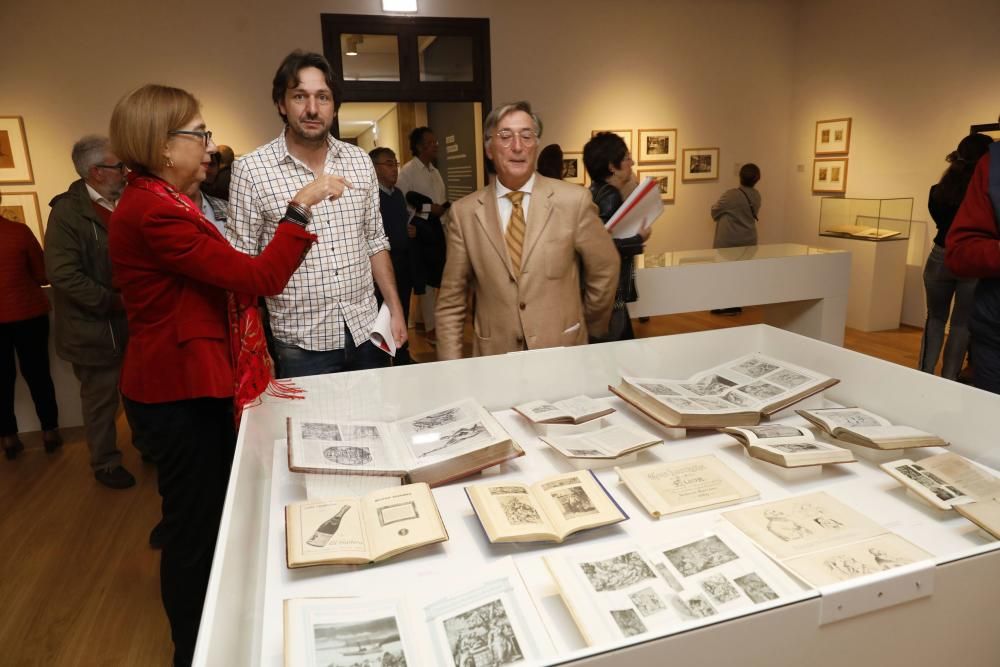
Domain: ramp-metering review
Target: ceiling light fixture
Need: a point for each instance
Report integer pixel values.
(400, 6)
(352, 45)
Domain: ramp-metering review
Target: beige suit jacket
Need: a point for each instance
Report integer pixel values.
(543, 306)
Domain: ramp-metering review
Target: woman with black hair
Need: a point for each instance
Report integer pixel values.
(940, 284)
(609, 164)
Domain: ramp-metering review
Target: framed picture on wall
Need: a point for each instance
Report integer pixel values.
(23, 207)
(657, 146)
(15, 163)
(830, 176)
(700, 164)
(573, 170)
(626, 136)
(665, 179)
(833, 137)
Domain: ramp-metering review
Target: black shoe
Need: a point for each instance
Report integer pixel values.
(115, 478)
(12, 446)
(156, 536)
(52, 440)
(727, 312)
(146, 458)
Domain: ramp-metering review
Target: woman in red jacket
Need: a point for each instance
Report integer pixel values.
(183, 287)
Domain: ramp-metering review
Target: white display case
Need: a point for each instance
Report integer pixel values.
(928, 613)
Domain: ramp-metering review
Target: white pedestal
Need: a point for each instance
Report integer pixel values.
(878, 274)
(802, 289)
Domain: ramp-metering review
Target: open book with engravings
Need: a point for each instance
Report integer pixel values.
(866, 429)
(736, 393)
(945, 481)
(546, 511)
(821, 540)
(575, 410)
(787, 446)
(352, 531)
(610, 442)
(689, 485)
(436, 447)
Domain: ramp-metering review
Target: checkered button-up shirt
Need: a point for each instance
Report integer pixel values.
(334, 283)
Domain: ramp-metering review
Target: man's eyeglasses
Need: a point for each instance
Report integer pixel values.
(120, 166)
(506, 137)
(205, 135)
(389, 163)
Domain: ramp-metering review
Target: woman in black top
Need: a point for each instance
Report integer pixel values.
(940, 284)
(609, 164)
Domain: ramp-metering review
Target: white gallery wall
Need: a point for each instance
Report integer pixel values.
(748, 76)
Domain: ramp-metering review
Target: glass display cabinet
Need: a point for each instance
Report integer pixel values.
(866, 219)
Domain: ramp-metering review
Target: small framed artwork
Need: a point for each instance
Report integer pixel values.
(833, 137)
(830, 176)
(700, 164)
(15, 163)
(665, 179)
(23, 207)
(626, 136)
(657, 146)
(573, 170)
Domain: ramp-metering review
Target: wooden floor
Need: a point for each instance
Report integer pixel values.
(79, 584)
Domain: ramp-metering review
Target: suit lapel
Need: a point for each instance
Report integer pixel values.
(539, 212)
(489, 219)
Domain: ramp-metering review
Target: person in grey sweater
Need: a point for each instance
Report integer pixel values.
(735, 216)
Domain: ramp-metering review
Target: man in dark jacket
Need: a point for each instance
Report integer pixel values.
(90, 324)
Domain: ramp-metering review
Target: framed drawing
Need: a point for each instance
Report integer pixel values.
(23, 207)
(573, 170)
(830, 175)
(833, 137)
(15, 163)
(657, 146)
(700, 164)
(665, 178)
(626, 136)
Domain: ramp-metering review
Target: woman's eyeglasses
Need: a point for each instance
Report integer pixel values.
(205, 135)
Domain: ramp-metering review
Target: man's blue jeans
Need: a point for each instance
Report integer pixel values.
(294, 361)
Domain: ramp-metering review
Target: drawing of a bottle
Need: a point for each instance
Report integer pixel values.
(328, 528)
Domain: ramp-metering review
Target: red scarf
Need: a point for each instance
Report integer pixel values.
(253, 369)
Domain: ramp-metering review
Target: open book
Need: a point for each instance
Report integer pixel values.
(350, 531)
(436, 447)
(575, 410)
(821, 540)
(787, 446)
(688, 485)
(546, 511)
(984, 513)
(619, 590)
(866, 429)
(860, 232)
(736, 393)
(945, 480)
(610, 442)
(485, 618)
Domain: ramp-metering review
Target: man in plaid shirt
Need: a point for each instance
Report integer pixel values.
(322, 321)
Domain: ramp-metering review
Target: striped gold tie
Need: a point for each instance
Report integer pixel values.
(515, 231)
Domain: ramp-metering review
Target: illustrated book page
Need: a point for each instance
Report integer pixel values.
(343, 632)
(787, 446)
(865, 428)
(315, 445)
(622, 590)
(609, 442)
(362, 530)
(575, 410)
(944, 480)
(809, 533)
(677, 487)
(488, 621)
(548, 510)
(736, 392)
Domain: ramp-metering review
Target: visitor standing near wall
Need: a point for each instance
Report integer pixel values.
(735, 216)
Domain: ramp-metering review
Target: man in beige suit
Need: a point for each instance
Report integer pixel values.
(517, 243)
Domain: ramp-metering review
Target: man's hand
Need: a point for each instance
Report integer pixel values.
(398, 326)
(437, 210)
(411, 230)
(644, 234)
(327, 186)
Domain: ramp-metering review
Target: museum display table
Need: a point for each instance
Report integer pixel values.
(921, 614)
(802, 288)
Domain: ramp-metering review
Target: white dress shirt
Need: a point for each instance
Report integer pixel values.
(425, 179)
(96, 196)
(504, 205)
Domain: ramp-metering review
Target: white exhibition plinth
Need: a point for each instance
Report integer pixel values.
(878, 275)
(954, 613)
(802, 288)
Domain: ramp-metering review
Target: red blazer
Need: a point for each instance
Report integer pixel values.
(174, 270)
(22, 273)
